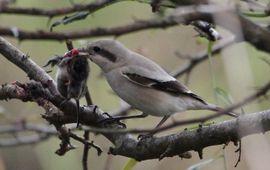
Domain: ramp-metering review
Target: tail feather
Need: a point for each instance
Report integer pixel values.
(219, 109)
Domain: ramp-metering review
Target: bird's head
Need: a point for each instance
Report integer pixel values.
(72, 53)
(107, 54)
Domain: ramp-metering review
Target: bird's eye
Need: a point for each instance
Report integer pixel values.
(96, 49)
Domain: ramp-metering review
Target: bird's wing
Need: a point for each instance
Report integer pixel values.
(162, 82)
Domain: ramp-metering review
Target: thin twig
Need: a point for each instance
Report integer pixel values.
(202, 56)
(85, 151)
(95, 32)
(92, 7)
(85, 142)
(69, 44)
(43, 132)
(65, 144)
(88, 98)
(86, 133)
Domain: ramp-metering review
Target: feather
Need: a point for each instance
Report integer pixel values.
(173, 87)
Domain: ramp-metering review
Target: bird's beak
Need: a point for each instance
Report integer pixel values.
(90, 55)
(84, 54)
(90, 58)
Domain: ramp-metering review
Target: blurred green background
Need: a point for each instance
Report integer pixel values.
(239, 71)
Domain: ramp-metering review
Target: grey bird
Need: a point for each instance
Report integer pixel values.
(142, 83)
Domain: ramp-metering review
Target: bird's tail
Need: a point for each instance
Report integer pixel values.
(219, 109)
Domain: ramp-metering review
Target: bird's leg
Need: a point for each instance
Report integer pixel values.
(118, 118)
(77, 108)
(111, 119)
(162, 121)
(150, 134)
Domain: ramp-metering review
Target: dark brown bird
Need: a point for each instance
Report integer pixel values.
(71, 77)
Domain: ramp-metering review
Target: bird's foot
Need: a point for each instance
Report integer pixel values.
(110, 120)
(54, 61)
(144, 136)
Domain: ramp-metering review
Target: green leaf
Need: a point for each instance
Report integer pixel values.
(201, 40)
(205, 124)
(130, 164)
(213, 77)
(164, 3)
(255, 14)
(69, 19)
(210, 47)
(54, 25)
(78, 16)
(222, 94)
(82, 14)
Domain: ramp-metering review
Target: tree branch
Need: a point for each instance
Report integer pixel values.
(191, 140)
(197, 140)
(91, 7)
(253, 33)
(96, 32)
(43, 132)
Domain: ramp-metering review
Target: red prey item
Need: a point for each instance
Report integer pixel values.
(72, 53)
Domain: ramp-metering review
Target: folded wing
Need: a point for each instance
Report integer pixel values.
(172, 87)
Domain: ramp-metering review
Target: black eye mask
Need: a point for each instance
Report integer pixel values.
(104, 53)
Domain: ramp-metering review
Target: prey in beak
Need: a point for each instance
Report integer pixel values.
(72, 53)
